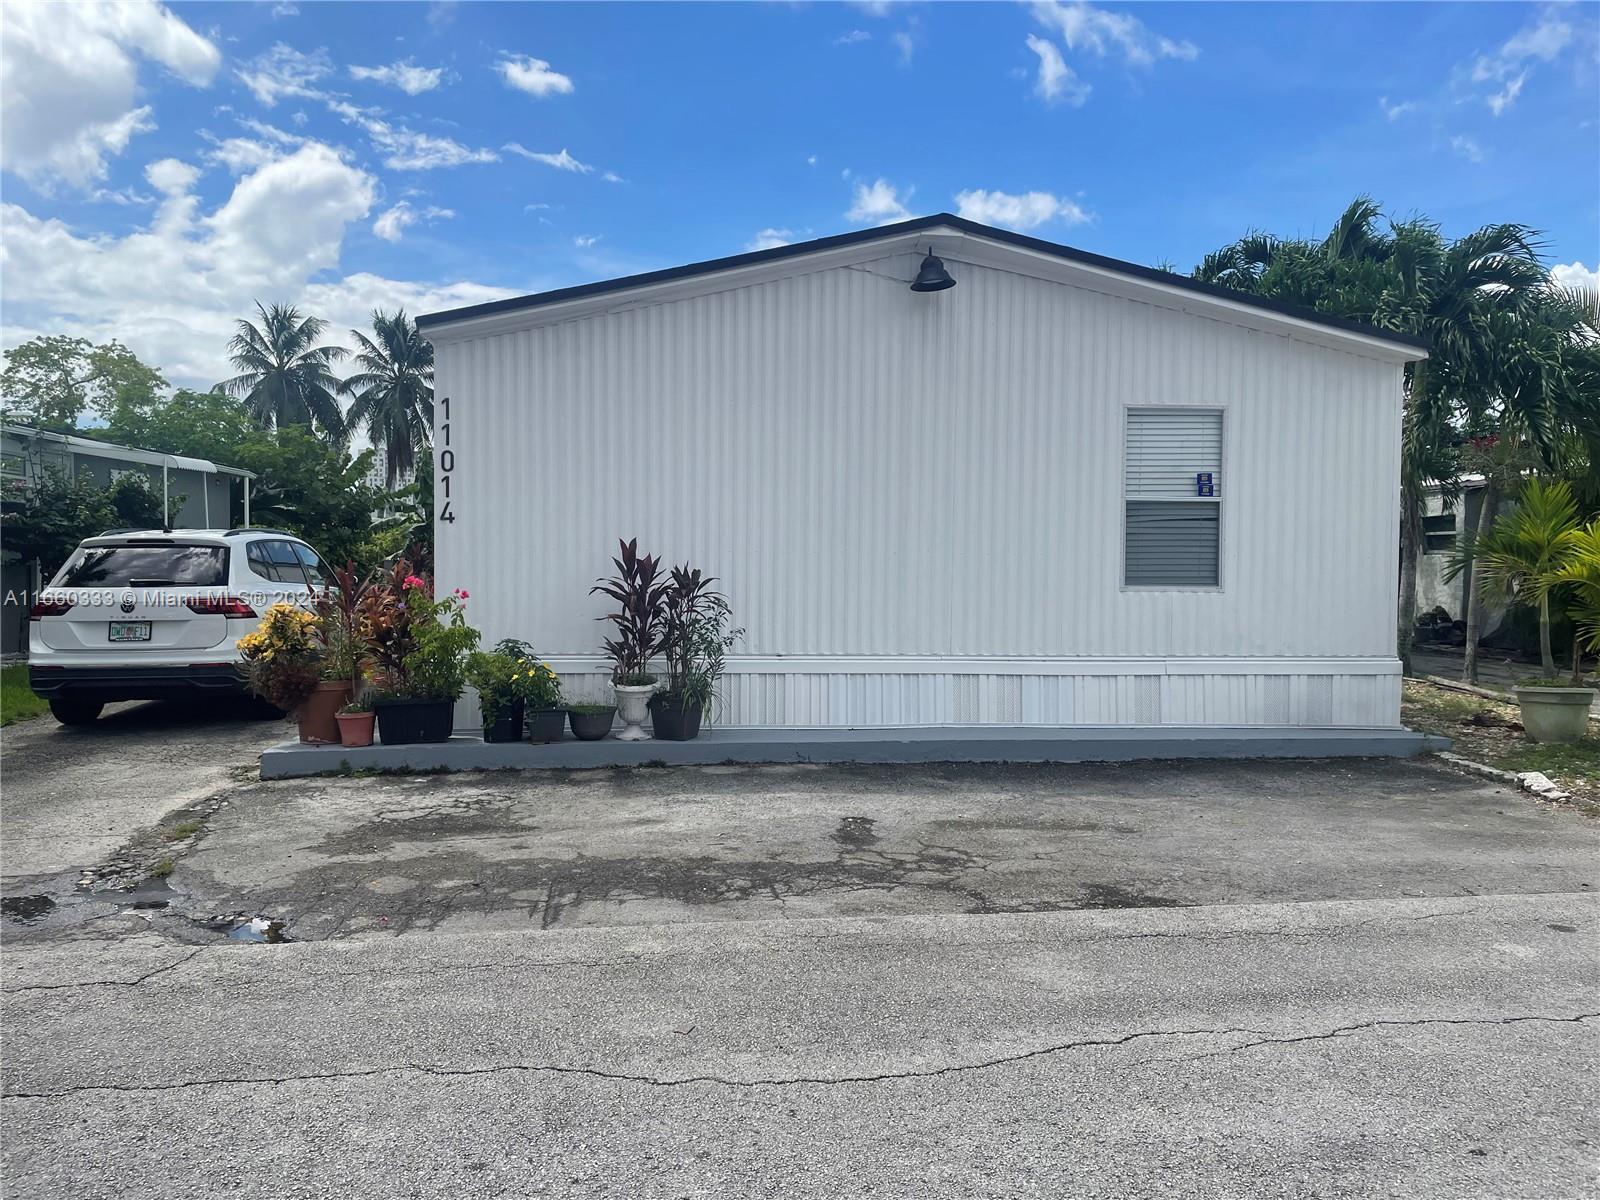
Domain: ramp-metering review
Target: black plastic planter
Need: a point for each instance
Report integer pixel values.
(507, 727)
(591, 727)
(547, 724)
(406, 722)
(672, 720)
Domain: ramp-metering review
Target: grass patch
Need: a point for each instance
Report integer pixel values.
(17, 701)
(1489, 731)
(183, 829)
(163, 868)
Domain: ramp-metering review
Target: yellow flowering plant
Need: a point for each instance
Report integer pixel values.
(509, 673)
(283, 656)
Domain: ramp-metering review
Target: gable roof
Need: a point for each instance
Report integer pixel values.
(901, 229)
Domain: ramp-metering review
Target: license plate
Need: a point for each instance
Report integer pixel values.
(130, 631)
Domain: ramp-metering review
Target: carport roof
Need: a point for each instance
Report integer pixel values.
(945, 221)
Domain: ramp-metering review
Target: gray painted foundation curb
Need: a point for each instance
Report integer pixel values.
(911, 745)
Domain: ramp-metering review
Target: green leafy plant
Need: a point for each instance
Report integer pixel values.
(338, 610)
(418, 645)
(357, 707)
(696, 637)
(509, 673)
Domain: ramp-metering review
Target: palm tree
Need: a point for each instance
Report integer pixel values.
(285, 378)
(1463, 298)
(1518, 559)
(393, 391)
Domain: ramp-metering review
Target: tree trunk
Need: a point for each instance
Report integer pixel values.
(1577, 656)
(1547, 657)
(1491, 501)
(1410, 537)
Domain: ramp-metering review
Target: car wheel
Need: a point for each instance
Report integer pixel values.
(76, 712)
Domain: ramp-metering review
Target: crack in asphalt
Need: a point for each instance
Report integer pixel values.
(83, 983)
(1265, 1039)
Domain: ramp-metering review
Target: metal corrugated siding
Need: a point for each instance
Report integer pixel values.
(874, 472)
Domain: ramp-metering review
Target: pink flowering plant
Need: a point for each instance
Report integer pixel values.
(419, 645)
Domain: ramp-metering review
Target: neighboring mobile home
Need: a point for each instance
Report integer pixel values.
(1066, 490)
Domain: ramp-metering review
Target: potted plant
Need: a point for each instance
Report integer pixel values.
(493, 675)
(640, 594)
(695, 642)
(540, 688)
(355, 723)
(1554, 710)
(591, 722)
(338, 626)
(283, 659)
(420, 646)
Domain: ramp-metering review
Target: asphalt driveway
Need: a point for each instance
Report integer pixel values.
(1351, 978)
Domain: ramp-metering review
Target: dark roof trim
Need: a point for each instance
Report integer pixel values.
(938, 220)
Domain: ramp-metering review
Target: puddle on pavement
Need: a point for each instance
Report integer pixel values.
(260, 929)
(1109, 895)
(151, 893)
(26, 908)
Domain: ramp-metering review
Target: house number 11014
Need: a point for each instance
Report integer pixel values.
(447, 462)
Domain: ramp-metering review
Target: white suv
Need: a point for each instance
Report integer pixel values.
(154, 614)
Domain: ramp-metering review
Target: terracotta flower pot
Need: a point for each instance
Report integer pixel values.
(355, 729)
(317, 717)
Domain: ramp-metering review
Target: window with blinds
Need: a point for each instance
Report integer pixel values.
(1172, 493)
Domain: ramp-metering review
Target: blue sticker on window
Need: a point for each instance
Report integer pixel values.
(1203, 485)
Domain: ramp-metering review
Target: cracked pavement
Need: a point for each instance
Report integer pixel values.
(1200, 979)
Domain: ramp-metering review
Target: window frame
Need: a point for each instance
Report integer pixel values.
(1220, 500)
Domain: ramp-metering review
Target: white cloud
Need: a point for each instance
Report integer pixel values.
(1507, 69)
(405, 149)
(407, 76)
(769, 239)
(392, 222)
(284, 71)
(172, 291)
(878, 204)
(613, 177)
(1397, 109)
(284, 9)
(851, 38)
(69, 78)
(1466, 148)
(533, 75)
(1507, 96)
(1575, 274)
(1084, 27)
(1026, 211)
(584, 240)
(171, 177)
(561, 161)
(904, 45)
(811, 160)
(1056, 81)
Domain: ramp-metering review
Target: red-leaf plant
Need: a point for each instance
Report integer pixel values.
(640, 593)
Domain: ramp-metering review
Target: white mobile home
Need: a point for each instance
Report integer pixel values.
(1064, 491)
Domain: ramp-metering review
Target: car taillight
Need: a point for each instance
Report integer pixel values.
(50, 608)
(220, 606)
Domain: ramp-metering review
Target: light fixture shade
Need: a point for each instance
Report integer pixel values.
(932, 277)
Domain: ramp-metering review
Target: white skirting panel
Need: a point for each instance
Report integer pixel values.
(816, 693)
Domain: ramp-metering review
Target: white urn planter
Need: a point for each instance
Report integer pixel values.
(633, 702)
(1555, 714)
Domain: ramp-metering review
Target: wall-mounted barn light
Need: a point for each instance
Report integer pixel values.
(932, 277)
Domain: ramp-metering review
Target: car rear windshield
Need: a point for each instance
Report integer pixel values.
(135, 565)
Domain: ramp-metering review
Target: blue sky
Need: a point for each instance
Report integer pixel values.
(165, 166)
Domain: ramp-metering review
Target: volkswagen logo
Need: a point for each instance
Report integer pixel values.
(127, 604)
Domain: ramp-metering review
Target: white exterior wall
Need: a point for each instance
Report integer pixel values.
(914, 502)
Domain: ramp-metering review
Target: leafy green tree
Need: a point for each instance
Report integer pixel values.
(44, 521)
(393, 390)
(1466, 299)
(51, 381)
(310, 488)
(207, 425)
(285, 377)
